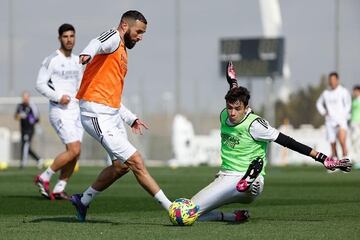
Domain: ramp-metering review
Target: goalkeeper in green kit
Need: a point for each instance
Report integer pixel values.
(244, 140)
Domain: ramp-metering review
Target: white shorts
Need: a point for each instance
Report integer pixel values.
(223, 191)
(332, 130)
(66, 123)
(110, 132)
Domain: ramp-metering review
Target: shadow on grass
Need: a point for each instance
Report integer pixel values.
(37, 197)
(67, 220)
(90, 221)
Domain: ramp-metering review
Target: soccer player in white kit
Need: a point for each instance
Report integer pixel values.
(58, 80)
(335, 105)
(244, 139)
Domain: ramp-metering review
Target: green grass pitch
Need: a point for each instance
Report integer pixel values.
(297, 203)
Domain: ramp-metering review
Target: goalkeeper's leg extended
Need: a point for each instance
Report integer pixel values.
(222, 191)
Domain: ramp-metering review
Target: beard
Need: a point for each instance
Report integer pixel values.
(67, 47)
(129, 44)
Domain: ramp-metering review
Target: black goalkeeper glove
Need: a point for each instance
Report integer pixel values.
(231, 75)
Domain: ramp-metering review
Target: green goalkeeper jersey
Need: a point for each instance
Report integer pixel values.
(355, 110)
(238, 147)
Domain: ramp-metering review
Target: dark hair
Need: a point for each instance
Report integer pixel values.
(238, 94)
(134, 15)
(356, 87)
(65, 27)
(335, 74)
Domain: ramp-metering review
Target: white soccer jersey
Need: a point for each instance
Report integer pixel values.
(60, 75)
(335, 105)
(106, 43)
(261, 130)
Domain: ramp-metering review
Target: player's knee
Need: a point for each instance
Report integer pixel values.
(120, 168)
(74, 151)
(138, 167)
(136, 164)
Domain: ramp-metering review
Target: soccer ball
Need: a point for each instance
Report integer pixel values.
(47, 163)
(77, 167)
(3, 165)
(183, 212)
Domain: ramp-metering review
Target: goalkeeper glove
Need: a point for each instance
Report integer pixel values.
(231, 75)
(333, 163)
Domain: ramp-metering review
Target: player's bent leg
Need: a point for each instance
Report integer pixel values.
(137, 166)
(109, 175)
(223, 191)
(72, 152)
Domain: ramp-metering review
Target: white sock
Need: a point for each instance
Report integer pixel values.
(60, 186)
(88, 196)
(162, 199)
(47, 174)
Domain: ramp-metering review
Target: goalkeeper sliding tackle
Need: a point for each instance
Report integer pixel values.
(244, 140)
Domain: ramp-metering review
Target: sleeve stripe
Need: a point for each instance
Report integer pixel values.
(105, 36)
(51, 85)
(262, 122)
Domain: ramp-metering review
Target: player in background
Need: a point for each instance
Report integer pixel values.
(28, 115)
(355, 126)
(335, 105)
(103, 114)
(58, 80)
(244, 140)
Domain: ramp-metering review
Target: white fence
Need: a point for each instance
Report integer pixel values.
(193, 150)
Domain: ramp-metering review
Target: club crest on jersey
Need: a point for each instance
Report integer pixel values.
(230, 140)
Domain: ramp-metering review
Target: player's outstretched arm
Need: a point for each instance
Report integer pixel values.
(332, 163)
(231, 75)
(328, 162)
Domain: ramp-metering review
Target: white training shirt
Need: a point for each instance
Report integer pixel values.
(60, 75)
(106, 43)
(261, 130)
(335, 105)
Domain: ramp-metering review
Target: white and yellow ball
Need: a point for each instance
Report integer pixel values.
(77, 167)
(48, 162)
(3, 166)
(183, 212)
